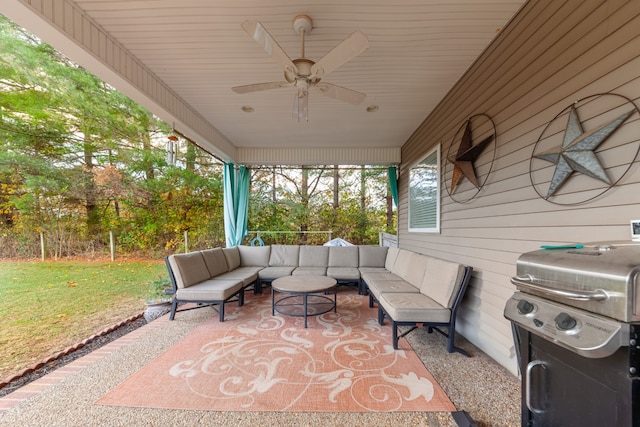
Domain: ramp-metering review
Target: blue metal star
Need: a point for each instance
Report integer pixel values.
(576, 154)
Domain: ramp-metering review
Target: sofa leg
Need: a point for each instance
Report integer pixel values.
(394, 327)
(221, 310)
(174, 307)
(380, 315)
(370, 300)
(451, 337)
(241, 298)
(257, 287)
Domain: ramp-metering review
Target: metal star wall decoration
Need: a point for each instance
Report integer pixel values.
(576, 154)
(467, 154)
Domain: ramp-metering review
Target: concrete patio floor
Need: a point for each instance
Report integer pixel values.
(65, 397)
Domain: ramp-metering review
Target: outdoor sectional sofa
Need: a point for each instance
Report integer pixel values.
(410, 288)
(417, 290)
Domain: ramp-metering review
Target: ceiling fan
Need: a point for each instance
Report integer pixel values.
(304, 73)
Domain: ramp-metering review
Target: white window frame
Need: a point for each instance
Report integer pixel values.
(416, 173)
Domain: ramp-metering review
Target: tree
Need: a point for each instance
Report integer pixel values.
(73, 148)
(357, 216)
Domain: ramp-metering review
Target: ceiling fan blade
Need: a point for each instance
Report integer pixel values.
(341, 93)
(260, 34)
(348, 49)
(259, 86)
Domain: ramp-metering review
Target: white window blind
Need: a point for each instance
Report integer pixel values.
(424, 194)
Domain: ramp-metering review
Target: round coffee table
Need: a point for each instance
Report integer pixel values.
(304, 297)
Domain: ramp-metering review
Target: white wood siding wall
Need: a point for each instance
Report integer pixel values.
(551, 54)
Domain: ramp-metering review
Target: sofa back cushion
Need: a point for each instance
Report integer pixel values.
(418, 266)
(392, 256)
(284, 255)
(254, 256)
(216, 261)
(343, 256)
(232, 256)
(191, 269)
(372, 256)
(442, 280)
(402, 264)
(314, 256)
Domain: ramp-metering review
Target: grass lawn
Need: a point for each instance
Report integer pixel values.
(48, 306)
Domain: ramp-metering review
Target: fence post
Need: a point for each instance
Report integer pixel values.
(186, 241)
(330, 234)
(43, 246)
(112, 245)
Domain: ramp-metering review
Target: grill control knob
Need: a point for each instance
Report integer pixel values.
(565, 322)
(525, 307)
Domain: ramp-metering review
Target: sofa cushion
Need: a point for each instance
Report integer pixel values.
(314, 256)
(210, 290)
(344, 273)
(343, 256)
(413, 307)
(216, 261)
(310, 271)
(402, 264)
(392, 256)
(271, 273)
(372, 256)
(233, 257)
(386, 286)
(254, 256)
(418, 265)
(191, 269)
(284, 256)
(442, 280)
(248, 275)
(364, 270)
(379, 276)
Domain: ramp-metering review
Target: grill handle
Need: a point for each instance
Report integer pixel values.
(528, 282)
(527, 397)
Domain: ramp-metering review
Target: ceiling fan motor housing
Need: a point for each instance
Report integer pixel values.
(304, 70)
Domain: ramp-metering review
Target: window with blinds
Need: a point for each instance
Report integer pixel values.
(424, 194)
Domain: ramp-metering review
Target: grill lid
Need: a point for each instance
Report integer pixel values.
(600, 277)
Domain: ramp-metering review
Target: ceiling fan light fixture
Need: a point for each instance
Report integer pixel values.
(301, 100)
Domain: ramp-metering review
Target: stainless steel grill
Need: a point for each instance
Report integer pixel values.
(576, 319)
(600, 278)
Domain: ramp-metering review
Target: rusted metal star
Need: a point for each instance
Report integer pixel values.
(576, 154)
(467, 154)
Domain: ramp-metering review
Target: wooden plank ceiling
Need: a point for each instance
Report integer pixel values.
(417, 50)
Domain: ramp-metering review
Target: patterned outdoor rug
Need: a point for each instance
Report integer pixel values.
(254, 361)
